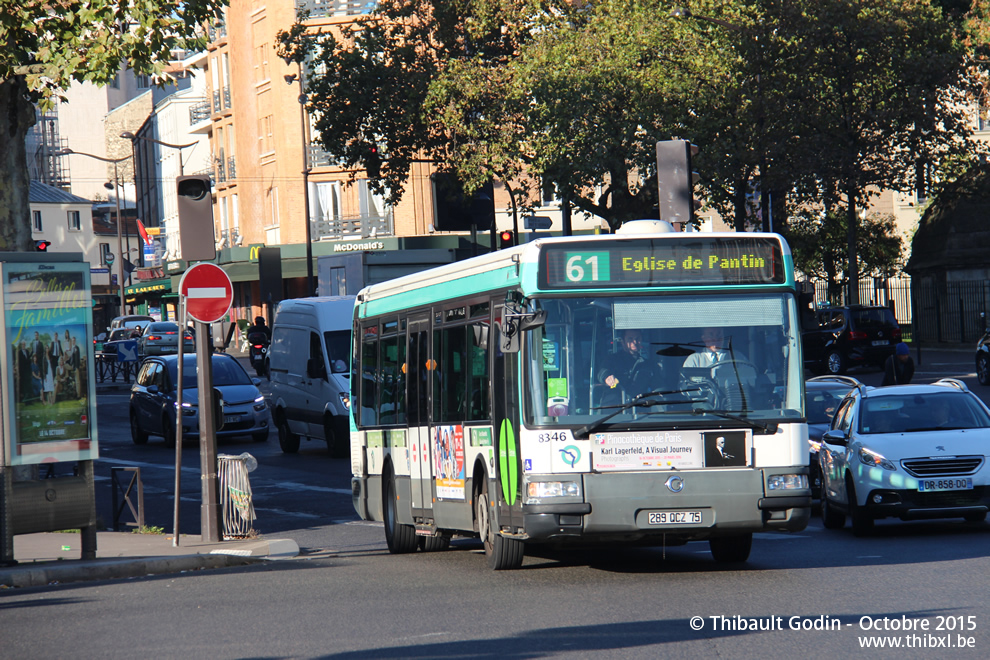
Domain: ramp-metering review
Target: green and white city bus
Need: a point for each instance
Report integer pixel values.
(482, 402)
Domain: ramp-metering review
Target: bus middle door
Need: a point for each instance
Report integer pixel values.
(420, 374)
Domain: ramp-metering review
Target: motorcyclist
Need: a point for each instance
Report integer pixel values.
(260, 326)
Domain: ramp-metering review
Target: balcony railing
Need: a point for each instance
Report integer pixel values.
(217, 32)
(231, 168)
(230, 237)
(353, 226)
(322, 8)
(199, 112)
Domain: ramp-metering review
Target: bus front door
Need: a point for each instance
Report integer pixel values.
(508, 459)
(420, 374)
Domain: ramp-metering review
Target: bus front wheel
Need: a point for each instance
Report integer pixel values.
(731, 549)
(503, 553)
(400, 538)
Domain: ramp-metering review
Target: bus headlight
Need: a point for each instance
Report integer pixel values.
(540, 490)
(787, 482)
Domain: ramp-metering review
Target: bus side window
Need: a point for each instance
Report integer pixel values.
(477, 372)
(369, 382)
(453, 378)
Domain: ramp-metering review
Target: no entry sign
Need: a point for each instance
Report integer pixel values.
(207, 291)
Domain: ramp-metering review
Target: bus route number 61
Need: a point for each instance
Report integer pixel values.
(586, 266)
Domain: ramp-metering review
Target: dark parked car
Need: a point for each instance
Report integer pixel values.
(152, 408)
(109, 345)
(822, 398)
(853, 336)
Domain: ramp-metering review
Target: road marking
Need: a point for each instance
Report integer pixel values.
(289, 485)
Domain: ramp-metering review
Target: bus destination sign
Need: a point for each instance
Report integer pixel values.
(663, 262)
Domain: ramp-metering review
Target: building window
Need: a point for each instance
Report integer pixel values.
(36, 220)
(261, 63)
(104, 251)
(265, 135)
(74, 224)
(548, 192)
(143, 82)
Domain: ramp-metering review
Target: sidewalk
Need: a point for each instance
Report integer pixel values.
(51, 558)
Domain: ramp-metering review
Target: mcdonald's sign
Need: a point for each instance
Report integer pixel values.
(253, 252)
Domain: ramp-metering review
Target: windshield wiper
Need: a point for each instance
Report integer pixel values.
(639, 401)
(766, 428)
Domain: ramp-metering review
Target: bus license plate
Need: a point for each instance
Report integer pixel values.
(936, 485)
(674, 518)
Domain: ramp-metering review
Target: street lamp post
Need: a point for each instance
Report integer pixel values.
(291, 78)
(127, 135)
(116, 195)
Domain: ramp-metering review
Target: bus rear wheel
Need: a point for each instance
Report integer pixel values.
(731, 549)
(503, 553)
(400, 538)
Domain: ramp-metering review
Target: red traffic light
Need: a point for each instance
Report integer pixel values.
(506, 239)
(42, 246)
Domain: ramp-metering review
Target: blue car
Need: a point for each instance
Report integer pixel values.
(153, 399)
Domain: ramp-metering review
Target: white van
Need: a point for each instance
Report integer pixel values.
(309, 367)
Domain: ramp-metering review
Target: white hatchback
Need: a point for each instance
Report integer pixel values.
(908, 451)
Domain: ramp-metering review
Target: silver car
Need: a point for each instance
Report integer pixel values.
(162, 338)
(912, 452)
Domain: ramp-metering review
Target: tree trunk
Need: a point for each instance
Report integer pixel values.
(851, 246)
(17, 115)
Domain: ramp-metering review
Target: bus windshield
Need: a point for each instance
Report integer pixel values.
(664, 360)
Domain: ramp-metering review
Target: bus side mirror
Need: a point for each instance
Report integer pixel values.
(514, 323)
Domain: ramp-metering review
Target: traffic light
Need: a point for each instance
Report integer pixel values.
(506, 239)
(42, 246)
(454, 211)
(197, 240)
(675, 178)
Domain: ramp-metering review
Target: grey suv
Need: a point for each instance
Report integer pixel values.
(857, 335)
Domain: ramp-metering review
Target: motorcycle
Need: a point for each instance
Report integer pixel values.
(258, 351)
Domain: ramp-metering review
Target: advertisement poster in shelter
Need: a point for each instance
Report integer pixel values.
(47, 328)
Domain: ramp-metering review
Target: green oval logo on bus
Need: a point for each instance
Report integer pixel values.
(508, 471)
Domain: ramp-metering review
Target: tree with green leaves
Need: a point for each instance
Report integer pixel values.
(885, 87)
(48, 45)
(577, 96)
(832, 98)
